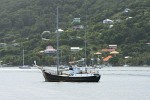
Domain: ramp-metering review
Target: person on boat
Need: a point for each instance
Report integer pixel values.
(86, 70)
(70, 68)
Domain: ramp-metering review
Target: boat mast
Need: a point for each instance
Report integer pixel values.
(85, 45)
(23, 58)
(57, 42)
(85, 55)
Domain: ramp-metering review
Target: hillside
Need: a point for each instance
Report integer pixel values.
(23, 22)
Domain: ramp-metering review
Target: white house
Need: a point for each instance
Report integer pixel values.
(76, 20)
(3, 44)
(110, 26)
(16, 44)
(107, 21)
(114, 46)
(129, 18)
(126, 10)
(75, 49)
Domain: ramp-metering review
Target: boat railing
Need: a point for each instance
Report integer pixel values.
(51, 71)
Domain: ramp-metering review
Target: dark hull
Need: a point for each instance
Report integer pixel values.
(56, 78)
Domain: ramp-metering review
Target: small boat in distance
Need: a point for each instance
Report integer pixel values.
(24, 66)
(74, 75)
(125, 65)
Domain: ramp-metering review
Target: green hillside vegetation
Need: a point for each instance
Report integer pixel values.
(22, 23)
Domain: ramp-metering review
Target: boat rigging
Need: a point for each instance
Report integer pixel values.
(75, 74)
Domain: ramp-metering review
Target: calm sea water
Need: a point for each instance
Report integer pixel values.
(117, 83)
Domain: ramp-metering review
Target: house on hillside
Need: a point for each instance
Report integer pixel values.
(3, 44)
(50, 50)
(106, 59)
(126, 10)
(16, 44)
(75, 49)
(108, 50)
(129, 18)
(78, 27)
(108, 21)
(76, 20)
(113, 46)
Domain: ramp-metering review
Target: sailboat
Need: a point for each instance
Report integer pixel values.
(24, 66)
(73, 76)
